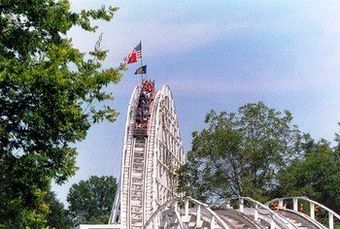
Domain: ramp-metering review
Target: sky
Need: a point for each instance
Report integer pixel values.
(218, 55)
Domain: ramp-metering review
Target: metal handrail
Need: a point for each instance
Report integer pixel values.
(331, 213)
(275, 218)
(182, 199)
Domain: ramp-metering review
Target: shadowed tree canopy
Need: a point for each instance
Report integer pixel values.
(50, 94)
(317, 175)
(58, 217)
(91, 200)
(240, 154)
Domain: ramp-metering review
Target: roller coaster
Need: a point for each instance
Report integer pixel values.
(147, 197)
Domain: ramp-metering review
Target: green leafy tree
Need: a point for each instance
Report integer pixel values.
(91, 200)
(316, 176)
(57, 217)
(50, 94)
(240, 154)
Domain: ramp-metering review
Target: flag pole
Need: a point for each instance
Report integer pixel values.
(141, 58)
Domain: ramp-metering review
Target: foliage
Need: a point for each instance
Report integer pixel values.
(240, 154)
(91, 200)
(49, 97)
(316, 176)
(57, 217)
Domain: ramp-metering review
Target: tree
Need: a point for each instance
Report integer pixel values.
(57, 217)
(315, 176)
(91, 200)
(50, 94)
(240, 154)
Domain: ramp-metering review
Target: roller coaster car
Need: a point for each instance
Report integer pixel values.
(140, 133)
(142, 112)
(140, 126)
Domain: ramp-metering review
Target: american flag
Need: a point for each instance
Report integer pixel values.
(138, 49)
(133, 56)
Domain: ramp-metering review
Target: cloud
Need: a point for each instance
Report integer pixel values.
(305, 34)
(163, 31)
(159, 39)
(203, 86)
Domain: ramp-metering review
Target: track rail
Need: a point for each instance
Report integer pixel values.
(119, 209)
(258, 211)
(281, 203)
(185, 212)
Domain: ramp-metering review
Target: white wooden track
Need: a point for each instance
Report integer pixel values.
(147, 172)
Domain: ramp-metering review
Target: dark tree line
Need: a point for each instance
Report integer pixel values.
(90, 202)
(316, 175)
